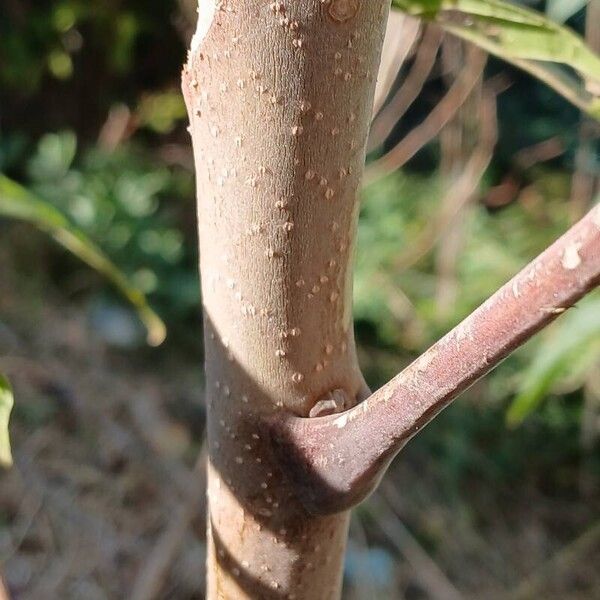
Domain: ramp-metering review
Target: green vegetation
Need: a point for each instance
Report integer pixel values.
(523, 37)
(18, 203)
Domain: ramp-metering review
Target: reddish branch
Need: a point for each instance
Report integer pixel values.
(336, 461)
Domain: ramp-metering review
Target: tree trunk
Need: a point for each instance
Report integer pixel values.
(280, 97)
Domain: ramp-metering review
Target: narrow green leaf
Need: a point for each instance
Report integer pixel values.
(6, 404)
(574, 337)
(562, 10)
(523, 37)
(19, 203)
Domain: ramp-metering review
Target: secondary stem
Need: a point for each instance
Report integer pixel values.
(336, 461)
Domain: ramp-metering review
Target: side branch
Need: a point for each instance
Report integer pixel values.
(336, 461)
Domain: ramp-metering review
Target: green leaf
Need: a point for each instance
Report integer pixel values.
(6, 404)
(562, 10)
(523, 37)
(571, 343)
(55, 154)
(19, 203)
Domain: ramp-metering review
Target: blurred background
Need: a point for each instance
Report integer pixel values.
(473, 169)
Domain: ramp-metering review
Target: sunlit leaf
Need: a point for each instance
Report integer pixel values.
(19, 203)
(562, 10)
(54, 156)
(161, 110)
(574, 337)
(523, 37)
(6, 404)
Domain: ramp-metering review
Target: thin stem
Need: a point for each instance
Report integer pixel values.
(443, 112)
(430, 575)
(407, 93)
(401, 35)
(461, 191)
(336, 461)
(3, 591)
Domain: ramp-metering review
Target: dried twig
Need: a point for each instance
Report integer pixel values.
(462, 189)
(401, 35)
(585, 182)
(151, 578)
(3, 591)
(456, 143)
(445, 110)
(541, 152)
(407, 93)
(152, 424)
(429, 574)
(567, 557)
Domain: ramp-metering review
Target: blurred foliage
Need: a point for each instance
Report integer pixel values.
(44, 38)
(523, 37)
(570, 350)
(395, 211)
(19, 203)
(6, 404)
(63, 63)
(126, 204)
(161, 111)
(397, 307)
